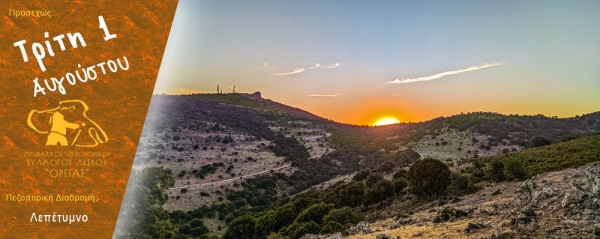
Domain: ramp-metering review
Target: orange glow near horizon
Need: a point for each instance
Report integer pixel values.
(386, 121)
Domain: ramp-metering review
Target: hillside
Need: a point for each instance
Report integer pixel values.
(255, 101)
(210, 163)
(552, 205)
(561, 200)
(220, 154)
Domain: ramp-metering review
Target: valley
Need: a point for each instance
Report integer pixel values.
(240, 166)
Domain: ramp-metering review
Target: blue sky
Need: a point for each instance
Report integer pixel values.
(522, 57)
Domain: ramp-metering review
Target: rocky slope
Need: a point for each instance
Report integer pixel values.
(563, 204)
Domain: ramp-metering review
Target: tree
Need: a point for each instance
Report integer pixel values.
(305, 228)
(242, 227)
(314, 213)
(537, 141)
(266, 223)
(362, 175)
(387, 167)
(353, 194)
(197, 228)
(428, 178)
(149, 220)
(344, 216)
(381, 190)
(285, 215)
(373, 178)
(496, 171)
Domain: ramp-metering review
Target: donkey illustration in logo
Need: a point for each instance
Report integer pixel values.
(62, 122)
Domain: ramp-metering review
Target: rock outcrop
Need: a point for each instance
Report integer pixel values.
(361, 228)
(383, 236)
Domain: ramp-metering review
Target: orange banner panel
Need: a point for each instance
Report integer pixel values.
(77, 78)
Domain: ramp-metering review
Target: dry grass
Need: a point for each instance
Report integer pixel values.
(453, 229)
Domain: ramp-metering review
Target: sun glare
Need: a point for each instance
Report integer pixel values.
(386, 121)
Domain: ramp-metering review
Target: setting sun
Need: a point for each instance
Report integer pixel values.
(386, 121)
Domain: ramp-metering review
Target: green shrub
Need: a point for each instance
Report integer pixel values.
(331, 227)
(539, 141)
(428, 178)
(381, 190)
(344, 216)
(461, 184)
(496, 171)
(555, 157)
(314, 213)
(241, 227)
(362, 175)
(513, 170)
(448, 214)
(373, 178)
(399, 185)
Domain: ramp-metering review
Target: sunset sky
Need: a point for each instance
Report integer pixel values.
(359, 61)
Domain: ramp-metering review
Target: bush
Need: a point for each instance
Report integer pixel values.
(461, 184)
(373, 178)
(513, 170)
(331, 227)
(274, 235)
(400, 174)
(314, 213)
(241, 227)
(305, 228)
(539, 141)
(381, 190)
(185, 230)
(353, 194)
(198, 227)
(387, 167)
(362, 175)
(399, 185)
(344, 216)
(554, 157)
(428, 178)
(448, 214)
(496, 171)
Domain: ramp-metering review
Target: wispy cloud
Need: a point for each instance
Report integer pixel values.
(440, 75)
(322, 95)
(300, 70)
(296, 71)
(265, 65)
(332, 66)
(317, 65)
